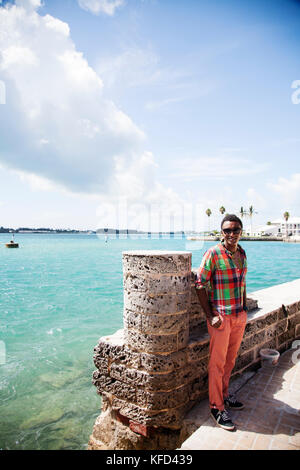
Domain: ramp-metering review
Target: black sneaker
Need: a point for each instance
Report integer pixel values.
(222, 419)
(232, 402)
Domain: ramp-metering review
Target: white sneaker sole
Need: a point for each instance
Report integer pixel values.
(227, 428)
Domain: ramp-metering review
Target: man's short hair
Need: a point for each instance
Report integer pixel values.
(231, 218)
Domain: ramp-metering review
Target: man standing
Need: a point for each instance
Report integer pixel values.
(221, 291)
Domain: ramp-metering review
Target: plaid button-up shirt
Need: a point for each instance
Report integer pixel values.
(224, 281)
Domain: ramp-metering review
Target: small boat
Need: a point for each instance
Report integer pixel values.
(12, 244)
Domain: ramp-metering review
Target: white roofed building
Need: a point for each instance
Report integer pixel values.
(290, 227)
(262, 230)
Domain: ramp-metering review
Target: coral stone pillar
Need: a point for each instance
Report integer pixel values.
(142, 371)
(157, 296)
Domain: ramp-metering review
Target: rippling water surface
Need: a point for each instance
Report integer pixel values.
(58, 295)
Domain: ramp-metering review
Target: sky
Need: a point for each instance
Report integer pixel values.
(142, 114)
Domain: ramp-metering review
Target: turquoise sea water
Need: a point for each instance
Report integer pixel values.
(58, 295)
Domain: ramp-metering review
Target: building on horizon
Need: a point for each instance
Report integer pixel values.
(291, 227)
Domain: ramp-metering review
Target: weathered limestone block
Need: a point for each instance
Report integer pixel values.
(293, 308)
(165, 284)
(135, 282)
(160, 400)
(154, 324)
(160, 343)
(198, 349)
(150, 303)
(271, 344)
(113, 349)
(170, 418)
(294, 320)
(110, 433)
(258, 324)
(244, 360)
(194, 296)
(163, 363)
(197, 324)
(287, 335)
(250, 341)
(101, 363)
(196, 309)
(108, 384)
(156, 262)
(139, 378)
(157, 297)
(282, 312)
(196, 369)
(198, 388)
(158, 283)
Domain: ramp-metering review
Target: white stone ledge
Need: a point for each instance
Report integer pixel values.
(156, 253)
(274, 297)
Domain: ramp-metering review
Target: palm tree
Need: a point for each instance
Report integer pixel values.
(208, 213)
(286, 216)
(222, 209)
(251, 212)
(242, 212)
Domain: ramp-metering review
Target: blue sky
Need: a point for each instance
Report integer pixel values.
(150, 103)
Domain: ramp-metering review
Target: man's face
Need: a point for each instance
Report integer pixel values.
(231, 232)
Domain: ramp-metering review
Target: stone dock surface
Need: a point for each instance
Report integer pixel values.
(270, 419)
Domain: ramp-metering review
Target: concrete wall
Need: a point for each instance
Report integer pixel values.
(154, 370)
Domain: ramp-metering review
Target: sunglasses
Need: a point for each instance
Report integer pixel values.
(227, 231)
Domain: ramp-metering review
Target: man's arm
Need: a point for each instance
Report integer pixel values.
(245, 299)
(203, 278)
(214, 320)
(203, 299)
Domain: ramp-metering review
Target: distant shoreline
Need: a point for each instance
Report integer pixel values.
(160, 235)
(249, 239)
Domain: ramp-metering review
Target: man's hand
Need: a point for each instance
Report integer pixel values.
(215, 320)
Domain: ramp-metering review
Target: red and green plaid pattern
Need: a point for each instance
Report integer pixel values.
(224, 282)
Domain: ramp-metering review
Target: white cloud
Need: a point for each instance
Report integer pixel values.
(289, 189)
(221, 167)
(142, 69)
(133, 67)
(36, 182)
(138, 200)
(256, 200)
(29, 4)
(64, 130)
(57, 25)
(154, 105)
(101, 6)
(66, 134)
(18, 56)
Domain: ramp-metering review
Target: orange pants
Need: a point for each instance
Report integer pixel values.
(223, 348)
